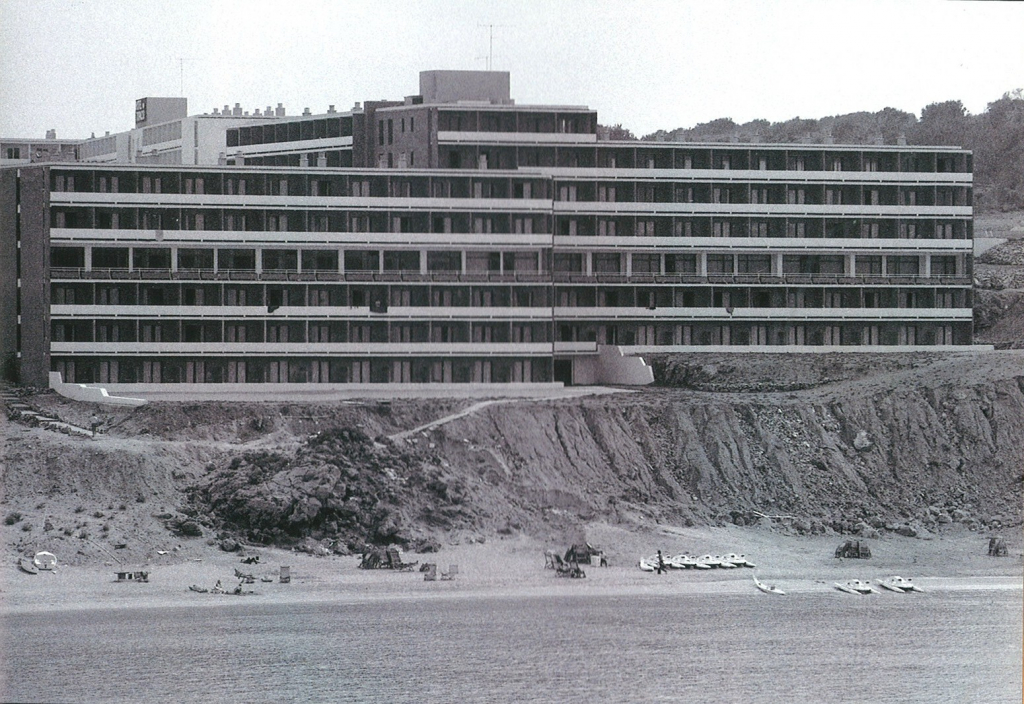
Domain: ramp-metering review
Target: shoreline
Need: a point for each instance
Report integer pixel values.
(514, 568)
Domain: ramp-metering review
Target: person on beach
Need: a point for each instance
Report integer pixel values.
(95, 423)
(661, 563)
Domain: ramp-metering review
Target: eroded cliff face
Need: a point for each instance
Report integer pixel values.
(927, 456)
(852, 443)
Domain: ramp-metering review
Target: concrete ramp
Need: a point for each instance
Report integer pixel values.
(611, 366)
(90, 394)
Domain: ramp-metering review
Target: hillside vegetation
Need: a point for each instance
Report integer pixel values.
(996, 136)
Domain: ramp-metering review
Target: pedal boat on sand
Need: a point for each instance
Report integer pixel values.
(647, 566)
(899, 584)
(738, 560)
(855, 586)
(26, 565)
(768, 588)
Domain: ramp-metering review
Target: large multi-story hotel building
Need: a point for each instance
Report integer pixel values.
(455, 236)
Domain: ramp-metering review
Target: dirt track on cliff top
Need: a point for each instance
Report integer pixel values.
(850, 443)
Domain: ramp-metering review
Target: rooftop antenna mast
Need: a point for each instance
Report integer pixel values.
(181, 73)
(490, 42)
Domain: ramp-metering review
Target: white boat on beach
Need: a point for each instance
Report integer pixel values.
(680, 562)
(768, 588)
(899, 584)
(855, 586)
(738, 560)
(708, 561)
(646, 566)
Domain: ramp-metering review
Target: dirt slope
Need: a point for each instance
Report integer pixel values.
(834, 442)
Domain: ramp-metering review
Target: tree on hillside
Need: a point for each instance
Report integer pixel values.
(997, 139)
(615, 132)
(941, 124)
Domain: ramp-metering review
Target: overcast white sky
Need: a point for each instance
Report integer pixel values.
(78, 65)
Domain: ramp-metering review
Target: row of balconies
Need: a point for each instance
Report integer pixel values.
(487, 151)
(829, 332)
(590, 184)
(397, 368)
(689, 279)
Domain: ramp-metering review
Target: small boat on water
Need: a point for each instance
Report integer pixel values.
(855, 586)
(768, 588)
(899, 584)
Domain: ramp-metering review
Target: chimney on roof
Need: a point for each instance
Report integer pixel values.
(268, 112)
(305, 111)
(227, 110)
(107, 133)
(902, 140)
(216, 111)
(357, 107)
(331, 110)
(51, 134)
(256, 112)
(237, 111)
(279, 112)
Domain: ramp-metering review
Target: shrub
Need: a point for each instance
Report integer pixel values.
(12, 518)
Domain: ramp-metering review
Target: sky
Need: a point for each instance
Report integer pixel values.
(77, 66)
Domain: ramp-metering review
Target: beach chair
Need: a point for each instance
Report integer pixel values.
(395, 560)
(450, 574)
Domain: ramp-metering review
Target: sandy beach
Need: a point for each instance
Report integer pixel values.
(513, 566)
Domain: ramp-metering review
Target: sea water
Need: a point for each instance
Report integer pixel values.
(962, 646)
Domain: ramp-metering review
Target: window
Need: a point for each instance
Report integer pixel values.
(195, 258)
(721, 228)
(362, 260)
(869, 266)
(401, 261)
(903, 266)
(567, 262)
(280, 259)
(646, 263)
(444, 261)
(720, 263)
(869, 230)
(645, 228)
(754, 264)
(607, 263)
(943, 266)
(680, 263)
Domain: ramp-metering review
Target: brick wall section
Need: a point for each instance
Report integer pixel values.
(34, 366)
(8, 272)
